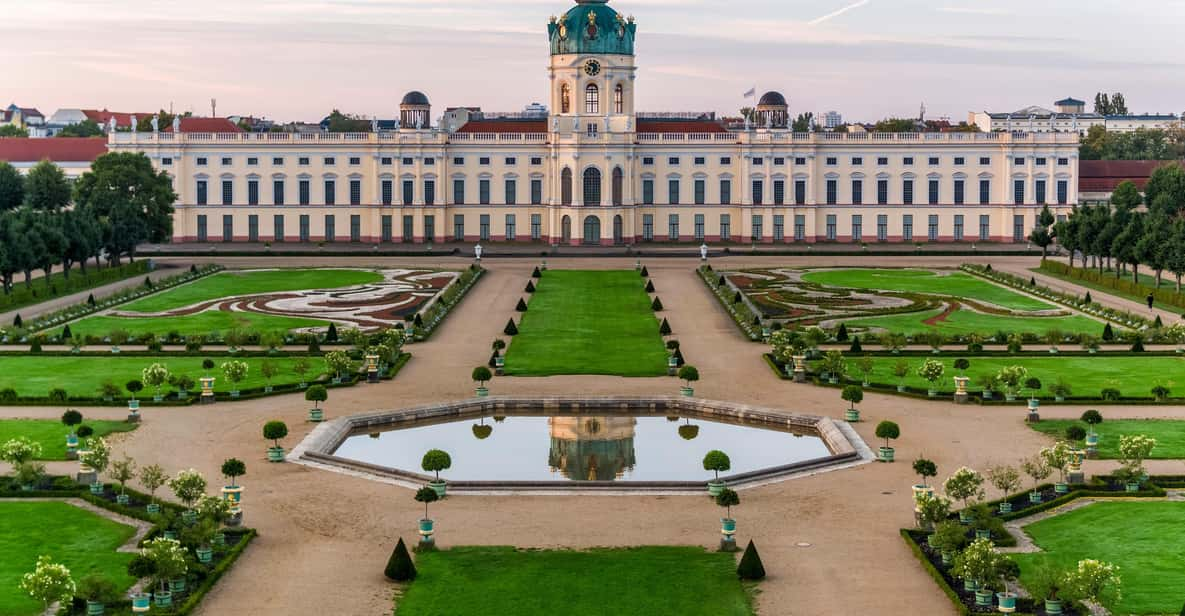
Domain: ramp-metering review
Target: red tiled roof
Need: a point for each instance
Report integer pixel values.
(205, 125)
(104, 117)
(56, 149)
(680, 126)
(1106, 175)
(504, 126)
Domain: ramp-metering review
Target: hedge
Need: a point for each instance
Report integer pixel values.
(43, 289)
(448, 300)
(1121, 317)
(1122, 284)
(721, 293)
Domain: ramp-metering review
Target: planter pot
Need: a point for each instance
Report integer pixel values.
(1092, 440)
(931, 393)
(275, 454)
(687, 392)
(983, 533)
(177, 586)
(1005, 507)
(921, 492)
(96, 488)
(865, 384)
(316, 415)
(482, 392)
(728, 526)
(947, 557)
(965, 517)
(153, 508)
(1035, 497)
(983, 598)
(123, 499)
(1007, 602)
(205, 555)
(234, 393)
(133, 405)
(970, 585)
(94, 608)
(1132, 486)
(833, 380)
(427, 528)
(1009, 398)
(1053, 606)
(1059, 398)
(267, 389)
(219, 540)
(714, 488)
(900, 389)
(158, 398)
(885, 454)
(439, 486)
(851, 415)
(337, 380)
(189, 516)
(141, 602)
(1061, 488)
(987, 394)
(170, 534)
(162, 598)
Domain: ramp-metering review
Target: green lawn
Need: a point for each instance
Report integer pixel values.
(227, 284)
(951, 283)
(81, 540)
(1087, 375)
(964, 321)
(588, 322)
(473, 581)
(200, 323)
(1167, 282)
(1169, 434)
(1143, 538)
(82, 376)
(52, 434)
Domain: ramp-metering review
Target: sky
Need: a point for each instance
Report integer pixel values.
(868, 59)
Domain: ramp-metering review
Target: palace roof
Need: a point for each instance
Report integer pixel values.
(56, 149)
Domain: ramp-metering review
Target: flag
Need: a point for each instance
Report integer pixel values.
(752, 92)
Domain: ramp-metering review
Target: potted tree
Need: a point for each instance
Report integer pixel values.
(97, 591)
(316, 394)
(96, 457)
(689, 374)
(1006, 479)
(987, 383)
(961, 364)
(427, 495)
(1057, 457)
(931, 370)
(268, 370)
(232, 493)
(887, 430)
(1036, 468)
(1092, 418)
(1093, 581)
(168, 564)
(274, 431)
(153, 477)
(979, 567)
(716, 461)
(1047, 584)
(435, 461)
(931, 510)
(134, 387)
(1061, 389)
(300, 367)
(123, 470)
(19, 452)
(117, 337)
(189, 485)
(901, 370)
(70, 419)
(853, 394)
(1133, 450)
(964, 485)
(212, 512)
(108, 390)
(924, 468)
(1053, 337)
(834, 366)
(481, 375)
(866, 365)
(156, 375)
(49, 582)
(948, 539)
(728, 526)
(338, 364)
(1010, 378)
(235, 372)
(1034, 384)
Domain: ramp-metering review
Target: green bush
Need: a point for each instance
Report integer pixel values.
(751, 567)
(275, 430)
(435, 461)
(716, 461)
(650, 286)
(536, 273)
(511, 329)
(1075, 433)
(665, 328)
(400, 568)
(656, 305)
(522, 306)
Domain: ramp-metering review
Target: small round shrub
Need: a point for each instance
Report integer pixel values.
(1075, 433)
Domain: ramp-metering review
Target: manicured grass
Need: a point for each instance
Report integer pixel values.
(953, 283)
(52, 434)
(588, 322)
(964, 321)
(1167, 282)
(688, 581)
(1087, 376)
(228, 284)
(1169, 434)
(79, 539)
(1143, 538)
(82, 376)
(200, 323)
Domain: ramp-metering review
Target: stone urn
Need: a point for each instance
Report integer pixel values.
(961, 389)
(426, 531)
(372, 369)
(1034, 405)
(728, 529)
(799, 368)
(207, 396)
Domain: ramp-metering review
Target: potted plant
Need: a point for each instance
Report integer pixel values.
(834, 366)
(1036, 468)
(1057, 457)
(153, 477)
(1092, 418)
(853, 394)
(979, 567)
(689, 374)
(117, 337)
(156, 375)
(184, 384)
(728, 526)
(70, 419)
(235, 372)
(896, 341)
(1089, 343)
(1034, 384)
(212, 512)
(1006, 479)
(435, 461)
(28, 475)
(274, 431)
(168, 564)
(716, 461)
(887, 430)
(1094, 581)
(1047, 583)
(268, 370)
(964, 485)
(97, 591)
(316, 394)
(108, 390)
(300, 367)
(901, 370)
(188, 485)
(123, 470)
(866, 365)
(1160, 392)
(337, 363)
(134, 387)
(96, 457)
(1010, 378)
(924, 468)
(232, 468)
(931, 510)
(1133, 450)
(987, 383)
(931, 370)
(1052, 338)
(481, 375)
(1009, 572)
(948, 539)
(49, 582)
(1061, 389)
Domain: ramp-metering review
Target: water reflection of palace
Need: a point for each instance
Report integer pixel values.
(591, 448)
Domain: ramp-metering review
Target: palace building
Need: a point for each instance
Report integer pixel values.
(596, 171)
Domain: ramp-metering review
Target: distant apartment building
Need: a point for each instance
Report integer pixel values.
(27, 118)
(832, 120)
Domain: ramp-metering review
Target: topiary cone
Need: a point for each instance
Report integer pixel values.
(400, 567)
(750, 567)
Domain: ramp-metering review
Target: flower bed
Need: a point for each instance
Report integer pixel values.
(1120, 317)
(743, 315)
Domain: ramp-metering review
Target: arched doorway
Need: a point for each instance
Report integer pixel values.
(618, 230)
(565, 229)
(592, 231)
(592, 187)
(566, 186)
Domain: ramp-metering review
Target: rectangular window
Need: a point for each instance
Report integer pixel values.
(882, 192)
(228, 228)
(857, 160)
(907, 227)
(858, 192)
(253, 227)
(985, 160)
(430, 228)
(1018, 228)
(386, 233)
(800, 160)
(429, 192)
(201, 228)
(278, 192)
(648, 192)
(483, 160)
(409, 229)
(510, 161)
(388, 192)
(908, 160)
(303, 223)
(226, 161)
(407, 160)
(699, 160)
(1040, 161)
(511, 233)
(252, 161)
(907, 192)
(329, 161)
(673, 160)
(778, 160)
(779, 192)
(1062, 162)
(800, 192)
(673, 227)
(799, 227)
(757, 232)
(536, 192)
(1063, 192)
(355, 192)
(386, 160)
(201, 161)
(758, 189)
(725, 227)
(278, 227)
(958, 227)
(985, 227)
(303, 160)
(700, 197)
(228, 192)
(699, 227)
(857, 227)
(458, 227)
(882, 227)
(201, 192)
(933, 161)
(932, 232)
(458, 161)
(960, 161)
(536, 226)
(725, 192)
(647, 160)
(648, 227)
(252, 192)
(1039, 188)
(536, 160)
(409, 191)
(832, 161)
(673, 192)
(511, 188)
(302, 188)
(354, 160)
(779, 228)
(985, 192)
(1018, 160)
(960, 196)
(483, 192)
(933, 189)
(330, 228)
(725, 160)
(355, 228)
(757, 162)
(330, 192)
(882, 161)
(458, 192)
(483, 227)
(166, 161)
(830, 227)
(832, 192)
(1018, 192)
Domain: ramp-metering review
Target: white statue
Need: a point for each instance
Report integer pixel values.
(111, 124)
(135, 125)
(155, 124)
(555, 124)
(396, 124)
(477, 251)
(576, 124)
(629, 124)
(703, 252)
(746, 122)
(176, 124)
(606, 123)
(374, 125)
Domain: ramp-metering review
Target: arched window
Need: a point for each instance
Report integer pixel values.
(592, 186)
(619, 99)
(566, 186)
(566, 229)
(565, 99)
(617, 180)
(592, 99)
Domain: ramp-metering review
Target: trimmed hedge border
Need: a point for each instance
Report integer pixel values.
(744, 324)
(93, 278)
(1119, 317)
(1135, 291)
(430, 325)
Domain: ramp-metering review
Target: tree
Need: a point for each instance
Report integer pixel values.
(426, 495)
(1043, 233)
(688, 374)
(232, 468)
(48, 582)
(12, 187)
(123, 470)
(84, 238)
(436, 460)
(728, 499)
(153, 477)
(925, 468)
(803, 122)
(853, 394)
(274, 431)
(888, 430)
(347, 123)
(400, 568)
(1118, 104)
(1165, 191)
(716, 461)
(895, 125)
(316, 394)
(129, 178)
(12, 130)
(751, 567)
(85, 128)
(46, 187)
(189, 485)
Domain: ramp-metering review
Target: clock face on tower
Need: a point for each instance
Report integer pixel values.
(592, 68)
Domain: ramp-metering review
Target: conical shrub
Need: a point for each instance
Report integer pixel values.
(649, 286)
(751, 567)
(665, 328)
(645, 273)
(530, 286)
(401, 569)
(656, 305)
(511, 329)
(536, 273)
(522, 306)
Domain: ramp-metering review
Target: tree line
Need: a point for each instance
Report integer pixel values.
(1120, 231)
(46, 221)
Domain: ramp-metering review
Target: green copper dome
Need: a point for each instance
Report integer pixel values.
(592, 27)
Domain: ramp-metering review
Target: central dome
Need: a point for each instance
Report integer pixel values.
(591, 27)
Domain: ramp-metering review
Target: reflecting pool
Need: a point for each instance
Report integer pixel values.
(583, 447)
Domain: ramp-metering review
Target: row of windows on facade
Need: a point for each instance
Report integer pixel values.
(592, 228)
(592, 99)
(353, 161)
(592, 192)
